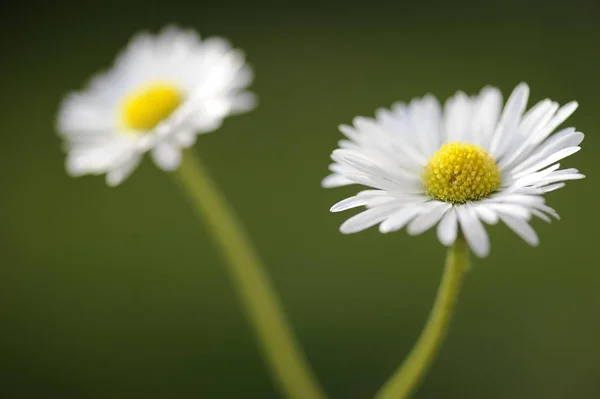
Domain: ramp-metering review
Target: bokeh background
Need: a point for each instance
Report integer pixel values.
(119, 293)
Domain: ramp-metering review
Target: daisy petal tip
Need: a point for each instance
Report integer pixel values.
(72, 170)
(349, 226)
(571, 106)
(336, 156)
(446, 243)
(413, 230)
(357, 120)
(446, 238)
(347, 230)
(336, 208)
(334, 180)
(481, 253)
(383, 229)
(337, 152)
(112, 180)
(522, 87)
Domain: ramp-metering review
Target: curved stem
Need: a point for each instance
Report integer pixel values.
(408, 376)
(284, 356)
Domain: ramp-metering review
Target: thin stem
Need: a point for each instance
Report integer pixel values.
(408, 376)
(283, 354)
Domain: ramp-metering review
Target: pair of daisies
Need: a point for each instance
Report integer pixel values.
(470, 161)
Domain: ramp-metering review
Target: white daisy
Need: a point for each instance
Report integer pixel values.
(161, 92)
(457, 166)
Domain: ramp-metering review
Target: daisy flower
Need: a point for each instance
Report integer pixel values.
(459, 166)
(162, 91)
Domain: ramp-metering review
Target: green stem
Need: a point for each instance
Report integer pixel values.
(408, 376)
(276, 340)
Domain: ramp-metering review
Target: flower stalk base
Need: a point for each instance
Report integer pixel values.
(407, 378)
(282, 353)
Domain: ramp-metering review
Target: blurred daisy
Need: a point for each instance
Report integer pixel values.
(161, 92)
(457, 166)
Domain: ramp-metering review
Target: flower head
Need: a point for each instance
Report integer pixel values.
(470, 162)
(162, 91)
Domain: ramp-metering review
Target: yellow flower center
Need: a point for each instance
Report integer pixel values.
(144, 108)
(461, 172)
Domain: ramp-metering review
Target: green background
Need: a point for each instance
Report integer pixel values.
(119, 292)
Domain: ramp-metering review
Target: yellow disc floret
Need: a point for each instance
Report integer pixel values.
(143, 109)
(461, 172)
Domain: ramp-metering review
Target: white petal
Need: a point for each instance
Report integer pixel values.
(486, 214)
(373, 202)
(447, 229)
(428, 218)
(508, 125)
(80, 164)
(84, 114)
(335, 180)
(529, 190)
(539, 114)
(563, 113)
(369, 198)
(559, 178)
(185, 138)
(458, 111)
(201, 119)
(517, 198)
(348, 203)
(541, 215)
(548, 210)
(96, 158)
(533, 177)
(244, 102)
(372, 193)
(473, 230)
(369, 166)
(349, 132)
(116, 176)
(522, 228)
(337, 168)
(400, 218)
(372, 181)
(552, 187)
(548, 161)
(568, 136)
(347, 144)
(515, 210)
(486, 114)
(567, 171)
(366, 219)
(426, 114)
(167, 156)
(564, 139)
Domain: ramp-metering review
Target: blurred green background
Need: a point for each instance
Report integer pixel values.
(119, 293)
